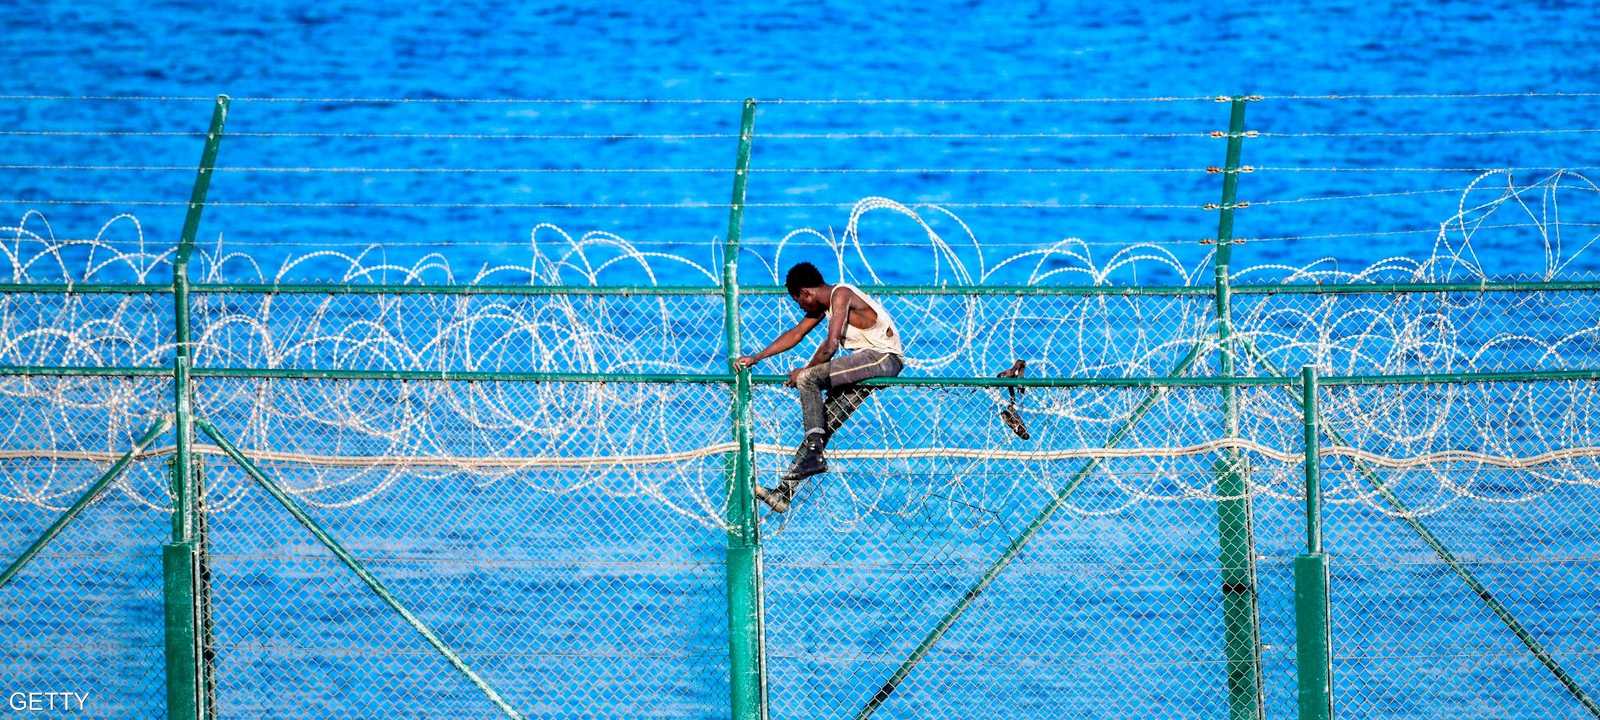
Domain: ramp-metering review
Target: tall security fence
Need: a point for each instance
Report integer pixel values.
(1269, 492)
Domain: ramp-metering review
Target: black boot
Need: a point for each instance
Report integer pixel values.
(776, 498)
(808, 461)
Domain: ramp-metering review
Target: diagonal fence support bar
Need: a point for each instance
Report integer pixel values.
(98, 486)
(353, 564)
(1500, 611)
(1312, 632)
(1241, 624)
(1017, 544)
(746, 661)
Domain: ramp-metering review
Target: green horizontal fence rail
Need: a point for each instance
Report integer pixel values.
(1203, 291)
(932, 381)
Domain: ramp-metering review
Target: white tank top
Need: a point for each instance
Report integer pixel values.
(882, 336)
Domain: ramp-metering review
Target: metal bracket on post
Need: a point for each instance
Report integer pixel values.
(1312, 633)
(187, 626)
(1235, 536)
(746, 651)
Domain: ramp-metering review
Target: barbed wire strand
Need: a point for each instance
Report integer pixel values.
(48, 132)
(801, 101)
(290, 169)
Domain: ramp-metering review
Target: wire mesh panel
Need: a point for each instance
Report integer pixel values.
(1113, 607)
(564, 539)
(1422, 332)
(1463, 575)
(96, 330)
(505, 333)
(91, 599)
(560, 549)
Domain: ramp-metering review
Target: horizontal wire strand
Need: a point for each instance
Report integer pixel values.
(604, 170)
(1288, 457)
(290, 169)
(607, 101)
(48, 132)
(566, 205)
(1434, 96)
(802, 101)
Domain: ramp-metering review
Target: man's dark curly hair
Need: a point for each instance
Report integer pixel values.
(801, 276)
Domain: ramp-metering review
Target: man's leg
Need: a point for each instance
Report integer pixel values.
(808, 458)
(821, 417)
(842, 403)
(846, 394)
(813, 409)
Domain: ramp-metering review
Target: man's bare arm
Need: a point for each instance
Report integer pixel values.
(784, 342)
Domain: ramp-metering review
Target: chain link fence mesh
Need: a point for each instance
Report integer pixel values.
(1411, 636)
(91, 600)
(1113, 609)
(539, 542)
(567, 539)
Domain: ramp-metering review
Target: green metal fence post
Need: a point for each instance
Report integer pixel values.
(746, 654)
(187, 696)
(1240, 617)
(1312, 633)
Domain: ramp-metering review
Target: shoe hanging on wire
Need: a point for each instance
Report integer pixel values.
(1009, 414)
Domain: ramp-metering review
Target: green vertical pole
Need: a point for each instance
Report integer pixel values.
(746, 662)
(1241, 623)
(187, 696)
(178, 565)
(1313, 636)
(1313, 461)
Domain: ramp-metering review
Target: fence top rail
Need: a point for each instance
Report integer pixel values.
(47, 371)
(332, 288)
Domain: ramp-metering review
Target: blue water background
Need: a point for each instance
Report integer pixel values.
(851, 51)
(586, 583)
